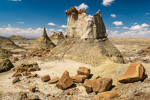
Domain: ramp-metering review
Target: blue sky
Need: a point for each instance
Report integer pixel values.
(122, 18)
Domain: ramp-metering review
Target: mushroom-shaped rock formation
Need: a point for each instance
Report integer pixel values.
(43, 41)
(57, 38)
(86, 40)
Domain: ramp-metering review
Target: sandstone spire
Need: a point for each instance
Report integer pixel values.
(44, 32)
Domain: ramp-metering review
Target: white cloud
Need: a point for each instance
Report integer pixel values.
(9, 25)
(90, 16)
(51, 24)
(21, 22)
(140, 27)
(15, 0)
(144, 25)
(64, 26)
(82, 6)
(131, 33)
(113, 15)
(117, 27)
(29, 32)
(117, 23)
(147, 13)
(107, 2)
(60, 30)
(114, 32)
(4, 26)
(135, 23)
(125, 28)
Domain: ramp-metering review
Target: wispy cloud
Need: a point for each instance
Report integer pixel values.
(147, 13)
(20, 22)
(82, 6)
(107, 2)
(140, 27)
(90, 16)
(63, 26)
(117, 23)
(15, 0)
(9, 25)
(51, 24)
(113, 15)
(125, 28)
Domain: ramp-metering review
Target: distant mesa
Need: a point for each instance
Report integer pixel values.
(86, 40)
(43, 41)
(57, 38)
(16, 37)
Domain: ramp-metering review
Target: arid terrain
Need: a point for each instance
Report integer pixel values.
(131, 49)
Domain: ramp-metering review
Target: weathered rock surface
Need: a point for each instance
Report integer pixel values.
(101, 84)
(107, 95)
(43, 41)
(57, 38)
(16, 74)
(79, 25)
(79, 78)
(16, 37)
(45, 78)
(32, 88)
(86, 40)
(9, 45)
(54, 80)
(84, 71)
(91, 52)
(15, 59)
(16, 80)
(4, 53)
(5, 65)
(65, 81)
(135, 72)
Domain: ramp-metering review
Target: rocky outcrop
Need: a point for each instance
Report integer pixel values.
(16, 37)
(43, 41)
(135, 72)
(65, 81)
(109, 95)
(79, 25)
(9, 45)
(101, 84)
(5, 65)
(86, 41)
(57, 38)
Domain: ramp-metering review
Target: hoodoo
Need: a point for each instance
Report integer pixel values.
(86, 40)
(43, 41)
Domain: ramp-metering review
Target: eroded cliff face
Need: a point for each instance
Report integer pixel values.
(79, 25)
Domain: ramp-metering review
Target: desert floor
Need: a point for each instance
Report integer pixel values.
(131, 48)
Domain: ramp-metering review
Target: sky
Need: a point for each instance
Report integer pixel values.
(122, 18)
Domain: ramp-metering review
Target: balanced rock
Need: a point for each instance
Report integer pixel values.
(135, 72)
(45, 78)
(32, 88)
(109, 95)
(79, 78)
(43, 41)
(65, 81)
(86, 40)
(84, 71)
(101, 84)
(54, 80)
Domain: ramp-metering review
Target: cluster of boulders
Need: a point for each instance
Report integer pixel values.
(25, 70)
(39, 53)
(99, 85)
